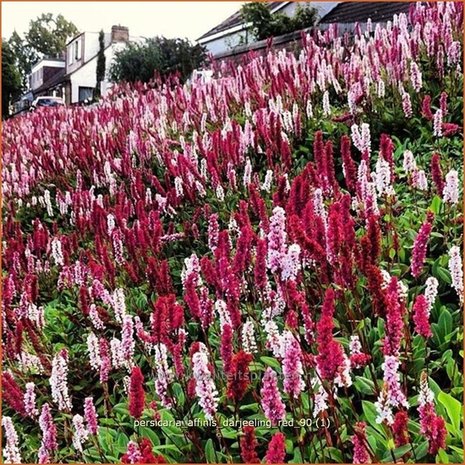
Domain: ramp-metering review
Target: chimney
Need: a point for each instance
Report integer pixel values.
(119, 34)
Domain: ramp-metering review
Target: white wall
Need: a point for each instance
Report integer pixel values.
(91, 45)
(37, 73)
(86, 76)
(224, 43)
(71, 62)
(47, 62)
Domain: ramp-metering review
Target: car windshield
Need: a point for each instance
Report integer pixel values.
(48, 102)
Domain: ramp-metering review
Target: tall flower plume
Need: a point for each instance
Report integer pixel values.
(204, 385)
(420, 245)
(11, 452)
(456, 270)
(136, 393)
(59, 381)
(276, 451)
(292, 365)
(330, 354)
(272, 403)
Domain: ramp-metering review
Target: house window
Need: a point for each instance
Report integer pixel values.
(74, 52)
(86, 93)
(77, 50)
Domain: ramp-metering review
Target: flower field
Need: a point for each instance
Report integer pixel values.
(265, 267)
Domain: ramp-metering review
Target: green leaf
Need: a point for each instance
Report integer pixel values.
(272, 362)
(106, 438)
(445, 321)
(179, 394)
(334, 454)
(459, 451)
(229, 433)
(122, 442)
(122, 409)
(436, 204)
(370, 413)
(453, 408)
(210, 452)
(149, 433)
(297, 456)
(421, 450)
(250, 407)
(398, 452)
(442, 457)
(364, 385)
(443, 275)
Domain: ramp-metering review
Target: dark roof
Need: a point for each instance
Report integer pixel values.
(79, 34)
(235, 20)
(359, 12)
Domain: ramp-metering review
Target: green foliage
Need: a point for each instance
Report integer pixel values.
(265, 24)
(101, 62)
(48, 34)
(25, 55)
(440, 356)
(157, 56)
(11, 78)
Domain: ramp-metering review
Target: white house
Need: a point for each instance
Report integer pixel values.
(75, 76)
(81, 61)
(234, 33)
(44, 70)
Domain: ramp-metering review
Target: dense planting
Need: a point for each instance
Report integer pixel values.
(264, 267)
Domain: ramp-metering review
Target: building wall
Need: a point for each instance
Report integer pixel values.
(43, 71)
(87, 45)
(86, 76)
(223, 44)
(74, 58)
(83, 77)
(226, 42)
(292, 42)
(91, 45)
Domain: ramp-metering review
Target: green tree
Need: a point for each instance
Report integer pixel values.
(159, 55)
(48, 35)
(101, 63)
(304, 17)
(259, 16)
(264, 24)
(11, 78)
(25, 56)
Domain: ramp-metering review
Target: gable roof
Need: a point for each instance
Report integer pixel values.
(359, 12)
(236, 19)
(348, 11)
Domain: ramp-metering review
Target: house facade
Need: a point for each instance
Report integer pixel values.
(234, 32)
(44, 71)
(75, 77)
(232, 36)
(81, 62)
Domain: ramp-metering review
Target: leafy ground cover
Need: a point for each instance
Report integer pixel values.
(264, 267)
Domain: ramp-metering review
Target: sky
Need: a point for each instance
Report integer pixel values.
(188, 19)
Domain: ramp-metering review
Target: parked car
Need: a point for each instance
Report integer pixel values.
(47, 102)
